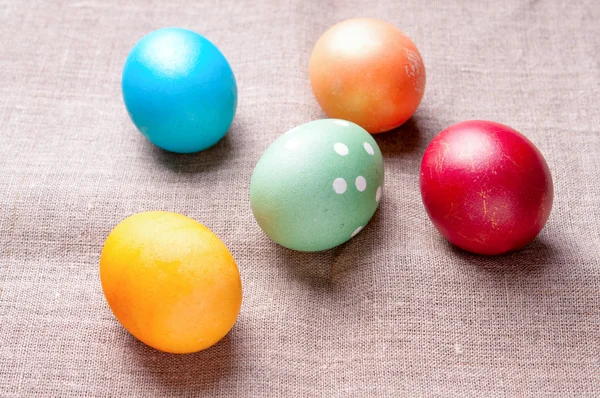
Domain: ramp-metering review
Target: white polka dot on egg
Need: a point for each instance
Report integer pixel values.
(356, 231)
(341, 149)
(369, 148)
(339, 185)
(361, 183)
(378, 194)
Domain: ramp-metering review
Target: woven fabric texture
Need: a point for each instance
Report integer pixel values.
(397, 311)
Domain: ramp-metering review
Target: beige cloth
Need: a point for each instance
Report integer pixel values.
(396, 311)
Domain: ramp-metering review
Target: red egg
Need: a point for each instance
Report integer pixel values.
(486, 187)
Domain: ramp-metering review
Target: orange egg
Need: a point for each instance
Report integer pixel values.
(369, 72)
(170, 281)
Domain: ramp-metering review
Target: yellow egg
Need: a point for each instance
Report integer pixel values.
(170, 281)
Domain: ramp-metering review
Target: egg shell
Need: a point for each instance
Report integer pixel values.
(170, 281)
(486, 187)
(179, 90)
(317, 185)
(369, 72)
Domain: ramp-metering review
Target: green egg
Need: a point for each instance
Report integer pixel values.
(317, 185)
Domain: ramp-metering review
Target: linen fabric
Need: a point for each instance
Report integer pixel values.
(396, 311)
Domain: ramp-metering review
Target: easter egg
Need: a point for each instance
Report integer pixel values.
(486, 187)
(179, 90)
(317, 185)
(170, 281)
(369, 72)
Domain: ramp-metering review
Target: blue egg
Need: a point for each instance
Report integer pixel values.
(179, 90)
